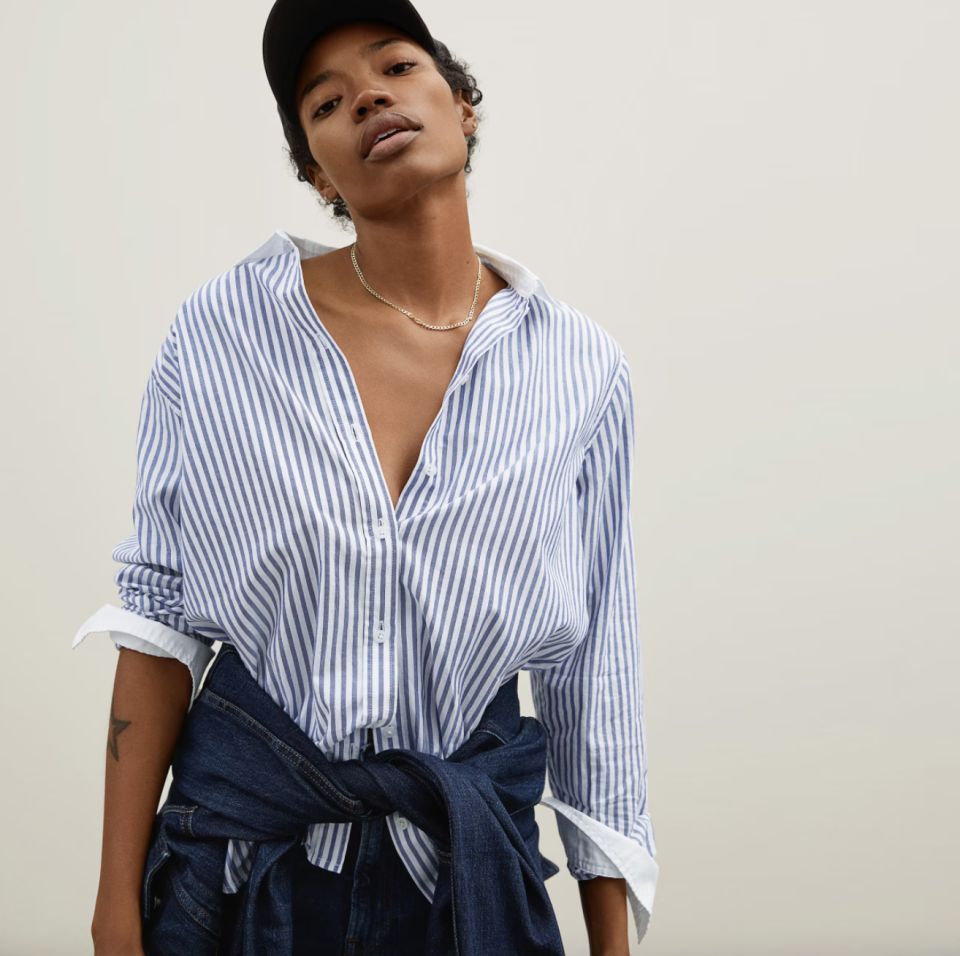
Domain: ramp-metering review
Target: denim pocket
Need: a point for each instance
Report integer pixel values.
(158, 854)
(181, 915)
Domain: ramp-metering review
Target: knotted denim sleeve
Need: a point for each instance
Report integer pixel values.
(244, 770)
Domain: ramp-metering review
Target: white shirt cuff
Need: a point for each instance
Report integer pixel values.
(597, 848)
(149, 637)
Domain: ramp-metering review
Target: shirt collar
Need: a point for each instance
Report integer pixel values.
(517, 275)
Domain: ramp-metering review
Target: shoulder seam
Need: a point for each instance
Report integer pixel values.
(607, 398)
(158, 388)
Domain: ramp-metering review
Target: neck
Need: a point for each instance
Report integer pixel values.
(421, 256)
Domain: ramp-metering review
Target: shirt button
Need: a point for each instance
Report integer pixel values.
(431, 470)
(388, 731)
(403, 823)
(381, 635)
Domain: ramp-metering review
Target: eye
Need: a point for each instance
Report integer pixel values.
(325, 108)
(396, 66)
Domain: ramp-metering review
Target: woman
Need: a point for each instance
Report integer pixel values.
(387, 477)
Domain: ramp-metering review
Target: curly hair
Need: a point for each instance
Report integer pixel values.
(453, 70)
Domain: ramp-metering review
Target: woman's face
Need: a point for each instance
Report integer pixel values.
(381, 122)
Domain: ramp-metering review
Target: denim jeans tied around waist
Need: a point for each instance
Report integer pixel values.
(244, 770)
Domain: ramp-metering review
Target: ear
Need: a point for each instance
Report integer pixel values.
(469, 121)
(320, 182)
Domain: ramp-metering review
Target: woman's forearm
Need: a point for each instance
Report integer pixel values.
(150, 698)
(604, 902)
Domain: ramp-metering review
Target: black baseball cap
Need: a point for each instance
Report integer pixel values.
(294, 25)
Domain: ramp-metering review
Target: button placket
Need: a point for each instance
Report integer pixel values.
(376, 559)
(378, 680)
(382, 679)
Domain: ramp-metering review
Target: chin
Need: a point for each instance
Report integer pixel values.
(408, 185)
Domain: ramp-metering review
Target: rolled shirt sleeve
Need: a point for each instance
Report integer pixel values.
(591, 704)
(152, 619)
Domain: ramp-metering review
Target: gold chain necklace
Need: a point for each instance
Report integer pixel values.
(438, 328)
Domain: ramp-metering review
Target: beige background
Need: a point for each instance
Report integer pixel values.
(760, 201)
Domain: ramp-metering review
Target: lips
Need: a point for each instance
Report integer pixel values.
(384, 126)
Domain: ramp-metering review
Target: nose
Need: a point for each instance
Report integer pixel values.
(368, 100)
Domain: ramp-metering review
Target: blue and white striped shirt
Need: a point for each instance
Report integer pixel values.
(262, 518)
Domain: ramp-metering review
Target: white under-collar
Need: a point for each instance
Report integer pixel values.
(518, 275)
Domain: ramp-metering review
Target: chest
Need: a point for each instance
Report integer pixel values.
(401, 375)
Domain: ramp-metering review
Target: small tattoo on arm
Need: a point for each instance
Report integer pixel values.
(117, 727)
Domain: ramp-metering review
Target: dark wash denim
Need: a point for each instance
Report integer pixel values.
(244, 770)
(371, 907)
